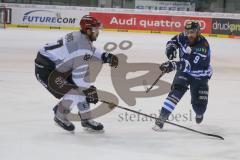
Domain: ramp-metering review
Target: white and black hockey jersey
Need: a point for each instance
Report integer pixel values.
(72, 53)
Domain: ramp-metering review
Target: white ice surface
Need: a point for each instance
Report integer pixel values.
(27, 130)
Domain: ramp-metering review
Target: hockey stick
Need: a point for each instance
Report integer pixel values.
(143, 114)
(155, 82)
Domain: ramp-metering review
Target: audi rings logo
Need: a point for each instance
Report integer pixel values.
(201, 22)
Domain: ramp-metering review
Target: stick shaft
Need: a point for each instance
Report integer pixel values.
(189, 129)
(155, 82)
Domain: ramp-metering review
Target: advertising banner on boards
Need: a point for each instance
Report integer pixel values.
(226, 26)
(149, 22)
(68, 17)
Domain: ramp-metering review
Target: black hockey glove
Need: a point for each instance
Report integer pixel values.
(171, 51)
(168, 66)
(91, 94)
(110, 58)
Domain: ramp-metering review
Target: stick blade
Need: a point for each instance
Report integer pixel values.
(216, 136)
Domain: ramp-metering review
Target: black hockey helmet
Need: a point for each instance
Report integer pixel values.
(194, 25)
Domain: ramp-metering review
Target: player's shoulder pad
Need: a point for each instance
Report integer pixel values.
(204, 42)
(177, 38)
(69, 37)
(181, 34)
(174, 37)
(181, 37)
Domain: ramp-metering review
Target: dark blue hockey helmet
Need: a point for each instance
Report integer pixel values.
(192, 25)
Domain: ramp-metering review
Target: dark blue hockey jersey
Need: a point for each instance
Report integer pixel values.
(196, 57)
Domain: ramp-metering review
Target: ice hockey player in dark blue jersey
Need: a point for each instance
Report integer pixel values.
(192, 71)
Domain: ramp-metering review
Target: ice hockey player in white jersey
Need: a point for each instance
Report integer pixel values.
(63, 69)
